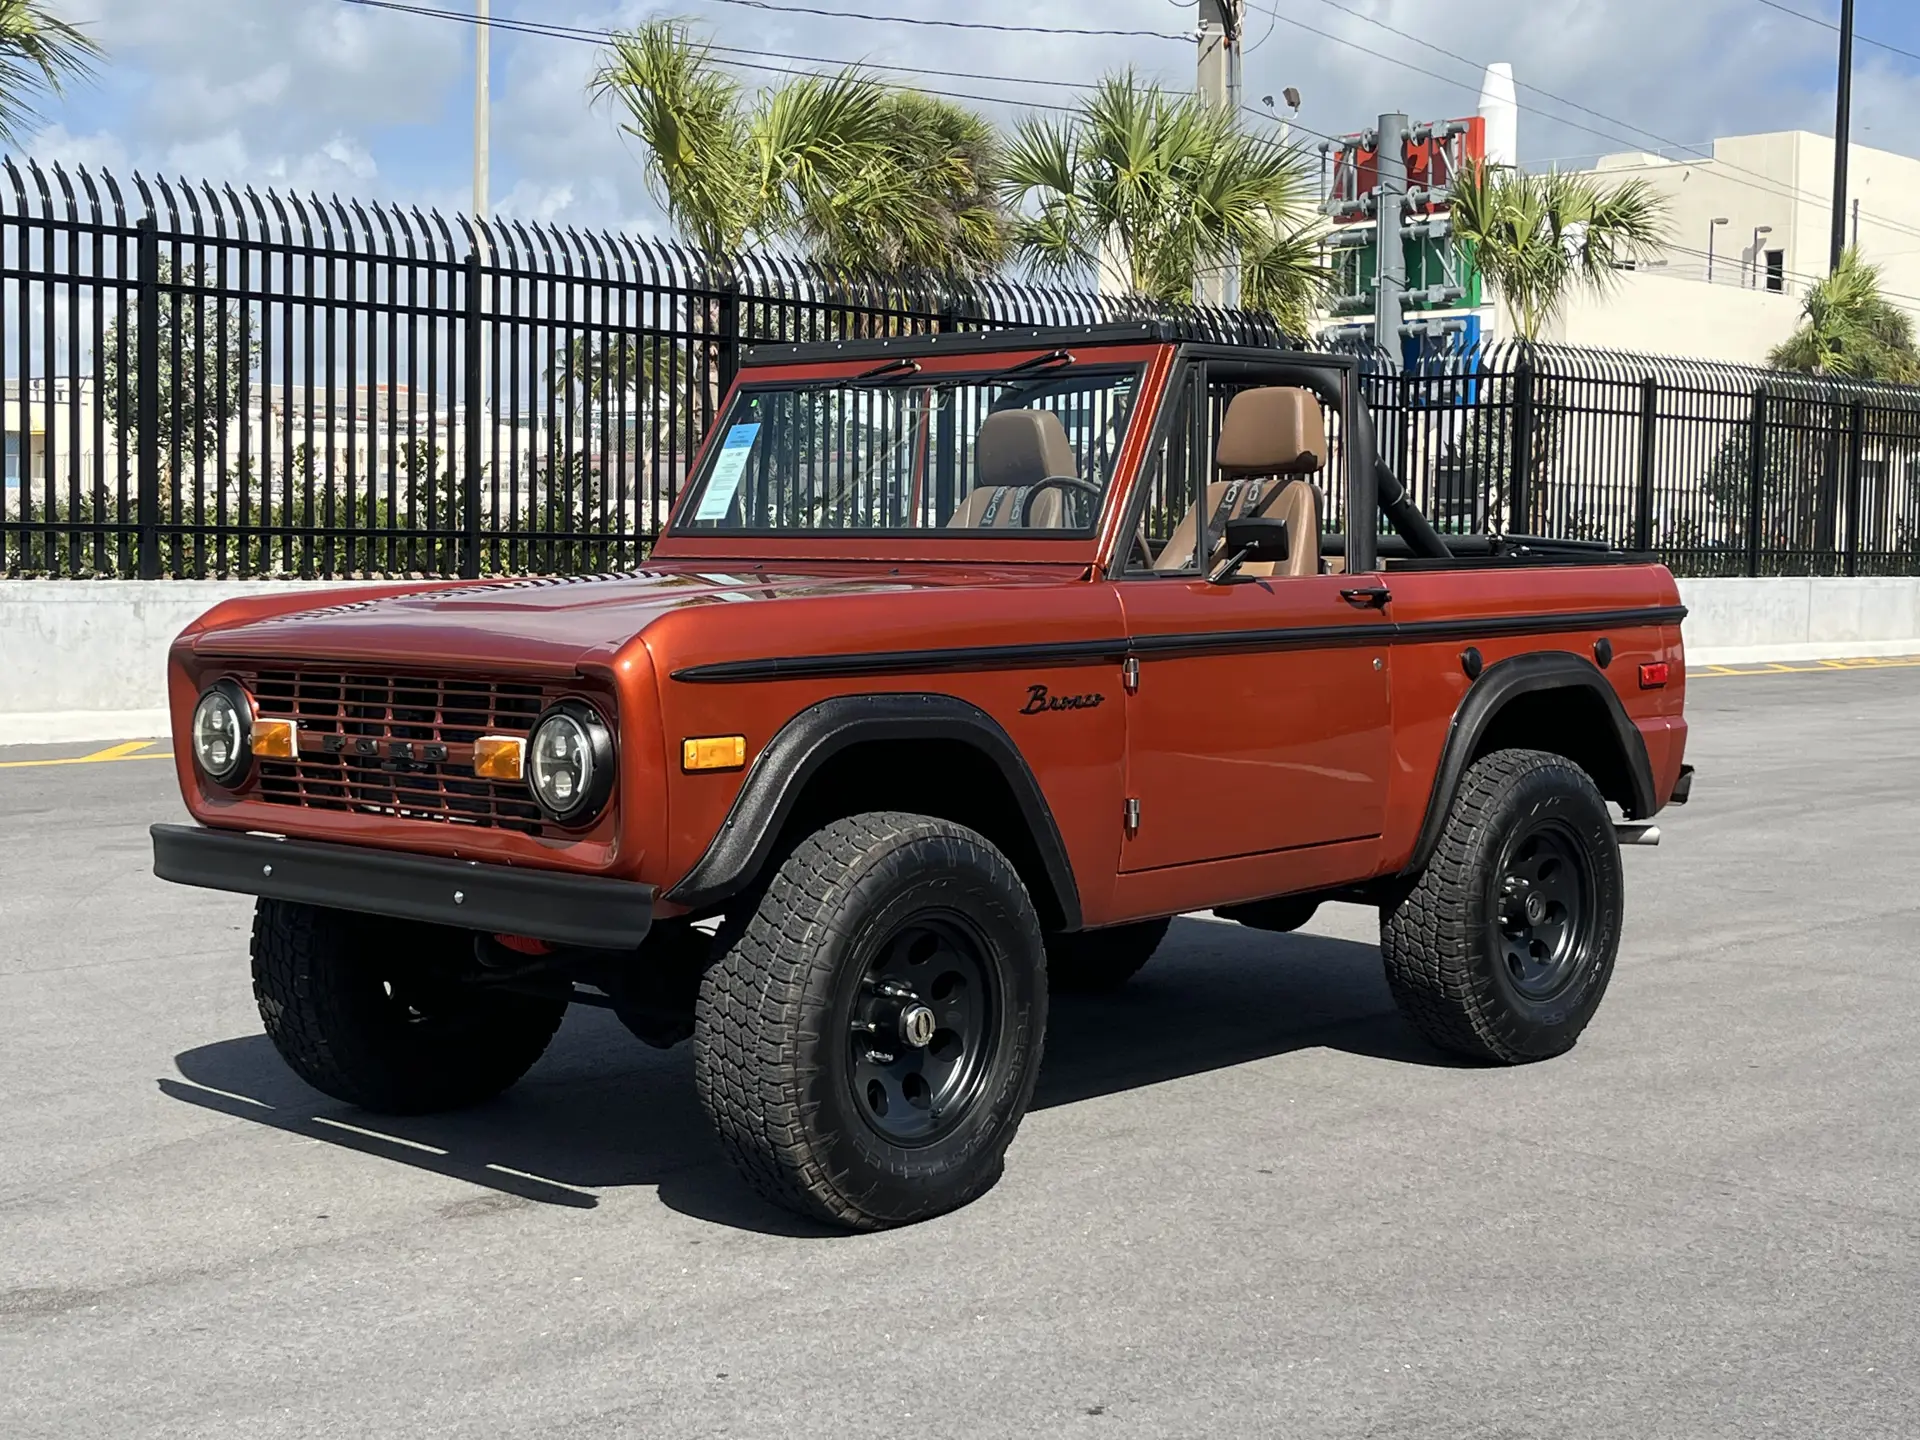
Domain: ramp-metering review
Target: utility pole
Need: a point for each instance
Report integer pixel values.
(482, 106)
(1842, 133)
(1390, 199)
(1219, 85)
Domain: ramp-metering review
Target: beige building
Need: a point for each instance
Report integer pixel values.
(1732, 291)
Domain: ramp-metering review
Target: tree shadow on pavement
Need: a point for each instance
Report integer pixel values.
(602, 1111)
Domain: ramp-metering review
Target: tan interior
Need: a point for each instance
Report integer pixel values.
(1267, 434)
(1275, 430)
(1016, 450)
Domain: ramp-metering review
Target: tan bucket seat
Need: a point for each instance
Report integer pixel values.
(1016, 450)
(1268, 434)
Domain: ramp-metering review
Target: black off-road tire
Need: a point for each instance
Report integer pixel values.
(1455, 970)
(372, 1012)
(1091, 962)
(775, 1059)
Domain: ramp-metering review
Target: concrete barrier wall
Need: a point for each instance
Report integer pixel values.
(1734, 622)
(85, 660)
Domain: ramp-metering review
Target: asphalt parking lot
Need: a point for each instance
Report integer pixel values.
(1248, 1203)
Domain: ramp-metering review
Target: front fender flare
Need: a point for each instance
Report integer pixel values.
(806, 742)
(1500, 683)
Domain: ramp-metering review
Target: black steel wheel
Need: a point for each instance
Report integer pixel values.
(1503, 948)
(926, 1019)
(1546, 925)
(868, 1040)
(378, 1013)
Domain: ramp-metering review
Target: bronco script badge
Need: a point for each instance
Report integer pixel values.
(1040, 702)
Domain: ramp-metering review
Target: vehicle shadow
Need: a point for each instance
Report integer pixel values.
(601, 1111)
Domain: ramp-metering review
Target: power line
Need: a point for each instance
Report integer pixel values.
(551, 31)
(1826, 24)
(790, 9)
(1764, 183)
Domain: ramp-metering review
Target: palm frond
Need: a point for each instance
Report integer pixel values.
(1850, 330)
(38, 52)
(1541, 239)
(685, 111)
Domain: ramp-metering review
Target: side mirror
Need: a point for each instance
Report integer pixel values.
(1258, 540)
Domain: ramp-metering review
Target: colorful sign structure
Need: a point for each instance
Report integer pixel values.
(1431, 294)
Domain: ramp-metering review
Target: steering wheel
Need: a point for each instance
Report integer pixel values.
(1057, 482)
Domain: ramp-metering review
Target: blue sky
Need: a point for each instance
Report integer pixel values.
(324, 95)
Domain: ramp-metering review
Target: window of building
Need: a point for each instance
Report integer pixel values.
(1777, 271)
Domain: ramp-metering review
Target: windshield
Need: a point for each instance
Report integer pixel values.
(1020, 454)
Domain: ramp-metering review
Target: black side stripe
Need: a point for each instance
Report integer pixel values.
(1061, 654)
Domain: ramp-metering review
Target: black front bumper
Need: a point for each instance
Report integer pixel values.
(497, 899)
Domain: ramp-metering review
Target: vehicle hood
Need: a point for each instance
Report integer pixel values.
(560, 622)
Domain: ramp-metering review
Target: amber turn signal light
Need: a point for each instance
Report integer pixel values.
(500, 757)
(276, 740)
(1654, 677)
(714, 752)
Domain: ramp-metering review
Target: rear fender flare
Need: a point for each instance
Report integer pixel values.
(781, 772)
(1498, 686)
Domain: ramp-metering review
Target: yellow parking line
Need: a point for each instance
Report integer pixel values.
(128, 750)
(1817, 667)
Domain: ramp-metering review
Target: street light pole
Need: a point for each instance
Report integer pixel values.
(1713, 230)
(1842, 133)
(482, 105)
(1219, 86)
(1760, 232)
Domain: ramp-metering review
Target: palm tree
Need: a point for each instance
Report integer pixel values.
(862, 175)
(947, 158)
(1541, 239)
(1850, 329)
(1163, 188)
(38, 51)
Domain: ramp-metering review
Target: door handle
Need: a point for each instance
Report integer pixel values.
(1374, 599)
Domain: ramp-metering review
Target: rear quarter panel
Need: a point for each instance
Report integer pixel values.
(1430, 681)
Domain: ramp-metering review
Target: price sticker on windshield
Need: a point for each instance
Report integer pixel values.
(731, 463)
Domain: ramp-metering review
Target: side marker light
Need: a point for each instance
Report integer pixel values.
(714, 752)
(1655, 676)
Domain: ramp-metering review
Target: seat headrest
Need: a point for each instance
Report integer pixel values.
(1022, 447)
(1275, 430)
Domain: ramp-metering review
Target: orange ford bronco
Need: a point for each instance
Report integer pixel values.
(964, 663)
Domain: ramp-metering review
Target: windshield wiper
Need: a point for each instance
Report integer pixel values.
(1039, 362)
(902, 366)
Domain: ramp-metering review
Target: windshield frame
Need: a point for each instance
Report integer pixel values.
(1151, 359)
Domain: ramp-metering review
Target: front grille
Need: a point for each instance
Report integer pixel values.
(340, 713)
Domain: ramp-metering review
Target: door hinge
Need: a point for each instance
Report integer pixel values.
(1133, 817)
(1130, 674)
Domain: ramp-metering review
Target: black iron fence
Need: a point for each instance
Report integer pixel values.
(1722, 469)
(204, 382)
(345, 390)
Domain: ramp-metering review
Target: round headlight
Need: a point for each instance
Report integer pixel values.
(223, 733)
(570, 762)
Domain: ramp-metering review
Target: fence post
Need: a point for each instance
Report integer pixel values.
(147, 403)
(1649, 459)
(470, 481)
(1520, 497)
(1856, 459)
(1756, 477)
(729, 338)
